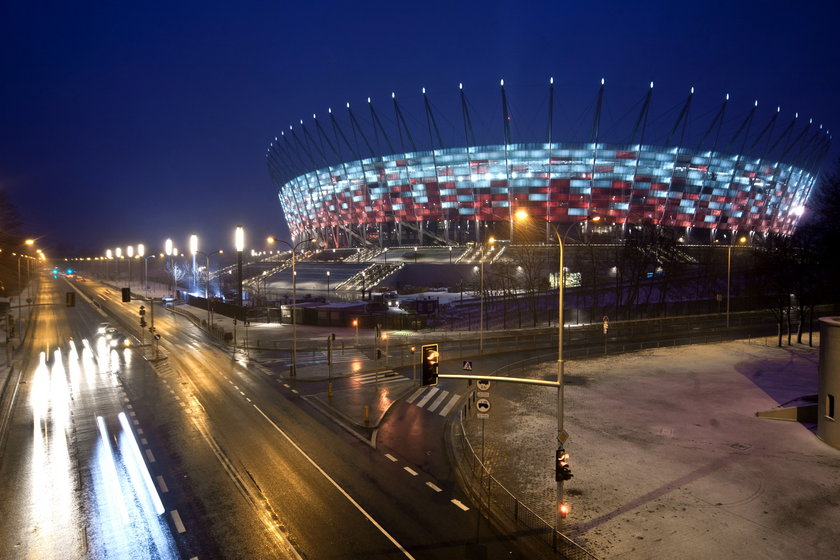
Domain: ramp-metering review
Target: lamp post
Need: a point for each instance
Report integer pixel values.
(481, 298)
(293, 248)
(328, 282)
(193, 251)
(207, 279)
(108, 256)
(741, 241)
(521, 215)
(130, 252)
(118, 256)
(167, 248)
(239, 243)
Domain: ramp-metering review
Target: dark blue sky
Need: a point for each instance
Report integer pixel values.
(123, 123)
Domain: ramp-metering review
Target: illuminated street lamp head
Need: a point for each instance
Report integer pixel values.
(119, 252)
(141, 250)
(270, 239)
(521, 215)
(108, 254)
(743, 239)
(239, 238)
(193, 244)
(130, 251)
(167, 247)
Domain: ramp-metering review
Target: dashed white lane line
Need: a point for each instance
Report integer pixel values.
(332, 481)
(434, 487)
(132, 414)
(247, 399)
(144, 441)
(391, 457)
(286, 385)
(241, 393)
(140, 431)
(410, 471)
(161, 484)
(129, 407)
(295, 391)
(459, 504)
(176, 518)
(136, 422)
(150, 456)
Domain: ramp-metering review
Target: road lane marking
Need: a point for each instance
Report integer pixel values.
(176, 518)
(336, 485)
(295, 391)
(391, 457)
(434, 487)
(414, 395)
(161, 484)
(140, 431)
(428, 396)
(440, 399)
(241, 393)
(150, 456)
(452, 402)
(144, 441)
(247, 399)
(459, 504)
(410, 471)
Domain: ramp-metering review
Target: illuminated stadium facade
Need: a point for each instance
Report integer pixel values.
(450, 195)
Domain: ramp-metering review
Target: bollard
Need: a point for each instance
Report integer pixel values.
(329, 389)
(367, 414)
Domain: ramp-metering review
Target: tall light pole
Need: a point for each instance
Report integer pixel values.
(522, 215)
(293, 370)
(481, 297)
(193, 251)
(742, 240)
(118, 256)
(130, 252)
(167, 248)
(328, 283)
(239, 244)
(108, 256)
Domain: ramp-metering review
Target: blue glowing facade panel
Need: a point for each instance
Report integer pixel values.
(558, 182)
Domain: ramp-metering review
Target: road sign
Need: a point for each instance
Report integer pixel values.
(483, 384)
(482, 406)
(467, 365)
(564, 435)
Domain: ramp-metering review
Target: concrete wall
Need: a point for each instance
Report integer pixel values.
(828, 419)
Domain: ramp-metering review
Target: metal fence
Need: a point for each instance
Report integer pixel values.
(496, 500)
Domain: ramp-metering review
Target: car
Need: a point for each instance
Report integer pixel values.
(110, 333)
(119, 340)
(103, 326)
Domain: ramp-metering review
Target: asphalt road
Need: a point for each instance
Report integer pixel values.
(243, 465)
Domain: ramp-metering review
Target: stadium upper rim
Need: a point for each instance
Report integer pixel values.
(335, 187)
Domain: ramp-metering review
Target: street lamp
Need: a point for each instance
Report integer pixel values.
(293, 369)
(118, 256)
(481, 297)
(193, 251)
(130, 252)
(522, 215)
(239, 244)
(328, 282)
(167, 248)
(741, 241)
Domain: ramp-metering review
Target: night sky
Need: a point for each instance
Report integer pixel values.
(123, 123)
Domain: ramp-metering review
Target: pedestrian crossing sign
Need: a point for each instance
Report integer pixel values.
(467, 365)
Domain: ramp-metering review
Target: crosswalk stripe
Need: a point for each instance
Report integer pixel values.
(386, 380)
(428, 396)
(438, 400)
(452, 402)
(415, 394)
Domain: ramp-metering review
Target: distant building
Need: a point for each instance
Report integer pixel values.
(333, 185)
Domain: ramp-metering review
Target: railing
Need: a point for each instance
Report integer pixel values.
(496, 500)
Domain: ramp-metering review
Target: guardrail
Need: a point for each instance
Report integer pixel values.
(492, 497)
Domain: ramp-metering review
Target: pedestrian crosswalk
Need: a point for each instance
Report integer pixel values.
(433, 399)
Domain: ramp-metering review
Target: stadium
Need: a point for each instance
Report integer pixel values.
(354, 182)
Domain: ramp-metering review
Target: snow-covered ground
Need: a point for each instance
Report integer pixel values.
(669, 459)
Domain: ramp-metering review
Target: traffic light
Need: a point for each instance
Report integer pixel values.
(431, 358)
(71, 299)
(562, 469)
(564, 510)
(126, 294)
